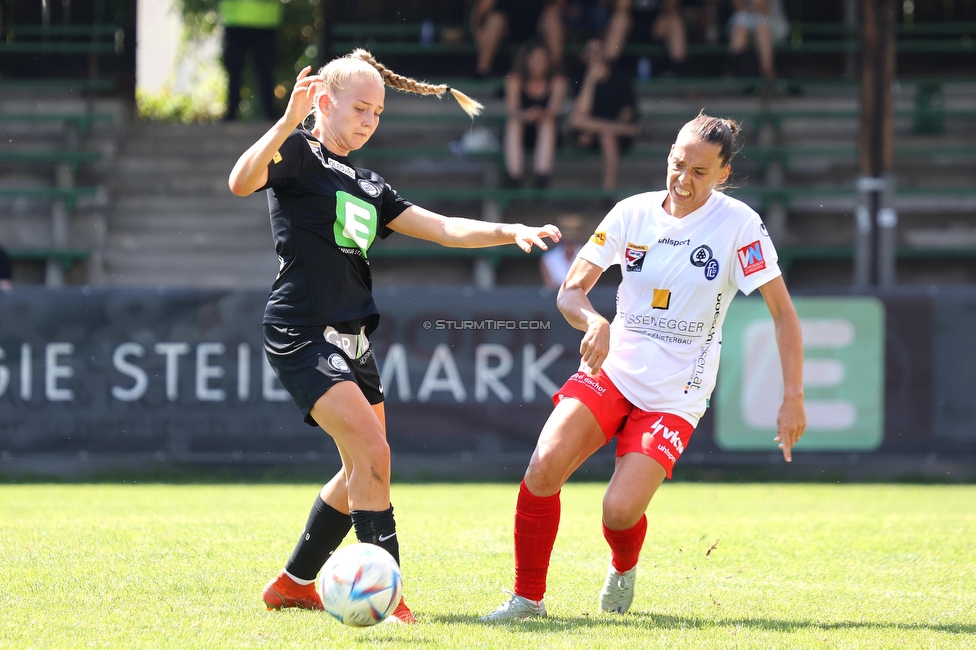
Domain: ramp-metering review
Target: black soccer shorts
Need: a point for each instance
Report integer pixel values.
(308, 365)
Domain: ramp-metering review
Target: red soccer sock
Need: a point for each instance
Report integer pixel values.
(536, 524)
(625, 545)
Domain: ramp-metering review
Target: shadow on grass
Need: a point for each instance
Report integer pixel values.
(647, 620)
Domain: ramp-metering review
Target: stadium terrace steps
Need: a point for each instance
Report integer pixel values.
(57, 148)
(815, 157)
(174, 221)
(210, 269)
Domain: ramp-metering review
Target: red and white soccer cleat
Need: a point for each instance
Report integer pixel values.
(401, 614)
(285, 592)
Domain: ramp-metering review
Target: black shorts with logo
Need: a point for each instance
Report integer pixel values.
(308, 365)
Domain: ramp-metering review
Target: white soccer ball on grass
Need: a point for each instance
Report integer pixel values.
(360, 585)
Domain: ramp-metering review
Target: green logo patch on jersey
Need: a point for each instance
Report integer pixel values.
(355, 224)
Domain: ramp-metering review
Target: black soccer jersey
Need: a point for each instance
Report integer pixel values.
(325, 215)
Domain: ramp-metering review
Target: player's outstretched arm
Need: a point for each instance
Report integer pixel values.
(575, 306)
(791, 420)
(250, 173)
(457, 232)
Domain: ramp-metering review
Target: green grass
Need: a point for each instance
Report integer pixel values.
(795, 566)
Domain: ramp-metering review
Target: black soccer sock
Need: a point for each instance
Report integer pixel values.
(324, 531)
(377, 527)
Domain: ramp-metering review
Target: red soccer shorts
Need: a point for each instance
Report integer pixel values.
(661, 436)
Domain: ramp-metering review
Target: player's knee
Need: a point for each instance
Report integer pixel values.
(380, 452)
(541, 480)
(620, 515)
(372, 449)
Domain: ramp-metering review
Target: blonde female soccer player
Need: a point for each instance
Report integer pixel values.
(325, 214)
(646, 377)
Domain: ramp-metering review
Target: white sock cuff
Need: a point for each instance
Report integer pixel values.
(298, 580)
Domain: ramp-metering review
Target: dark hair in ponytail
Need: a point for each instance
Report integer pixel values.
(716, 130)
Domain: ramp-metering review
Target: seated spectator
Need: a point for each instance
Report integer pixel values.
(605, 111)
(661, 21)
(519, 20)
(764, 23)
(608, 20)
(555, 262)
(534, 93)
(6, 271)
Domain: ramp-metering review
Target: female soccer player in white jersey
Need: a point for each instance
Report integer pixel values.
(325, 214)
(646, 377)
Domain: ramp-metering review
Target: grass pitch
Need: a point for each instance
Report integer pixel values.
(791, 566)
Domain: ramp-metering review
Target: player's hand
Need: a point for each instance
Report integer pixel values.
(791, 422)
(527, 236)
(302, 98)
(595, 345)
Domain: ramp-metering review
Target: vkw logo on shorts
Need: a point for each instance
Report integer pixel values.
(369, 188)
(672, 436)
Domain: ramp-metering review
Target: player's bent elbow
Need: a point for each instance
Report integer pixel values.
(565, 300)
(237, 188)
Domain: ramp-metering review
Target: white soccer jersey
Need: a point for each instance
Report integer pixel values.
(679, 277)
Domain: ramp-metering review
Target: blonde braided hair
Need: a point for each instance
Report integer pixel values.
(406, 84)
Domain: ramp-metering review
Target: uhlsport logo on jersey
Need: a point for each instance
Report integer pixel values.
(599, 237)
(667, 241)
(634, 255)
(751, 258)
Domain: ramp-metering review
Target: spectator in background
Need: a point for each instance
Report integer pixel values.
(251, 26)
(519, 20)
(608, 20)
(534, 93)
(555, 262)
(661, 21)
(605, 111)
(764, 23)
(6, 271)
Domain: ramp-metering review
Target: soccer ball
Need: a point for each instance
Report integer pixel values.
(360, 585)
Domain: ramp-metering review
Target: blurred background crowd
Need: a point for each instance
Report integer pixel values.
(121, 118)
